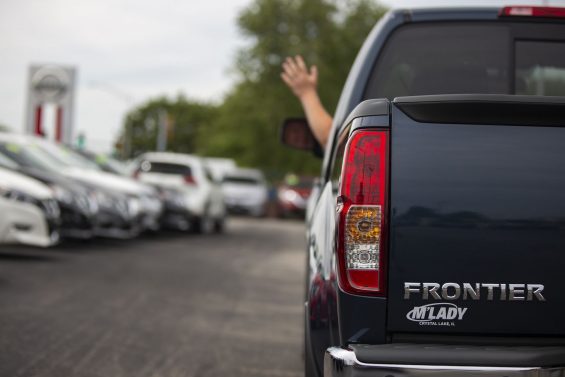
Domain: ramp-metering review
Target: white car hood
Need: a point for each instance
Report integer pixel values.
(107, 180)
(15, 181)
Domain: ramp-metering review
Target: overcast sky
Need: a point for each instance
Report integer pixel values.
(127, 51)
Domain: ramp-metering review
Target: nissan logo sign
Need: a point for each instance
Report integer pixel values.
(50, 82)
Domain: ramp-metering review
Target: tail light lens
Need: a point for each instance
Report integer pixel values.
(189, 180)
(362, 216)
(529, 11)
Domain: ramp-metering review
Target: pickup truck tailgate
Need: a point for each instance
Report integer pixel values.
(477, 234)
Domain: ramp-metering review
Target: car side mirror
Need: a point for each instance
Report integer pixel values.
(296, 133)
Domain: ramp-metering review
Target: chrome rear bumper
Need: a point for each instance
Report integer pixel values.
(339, 362)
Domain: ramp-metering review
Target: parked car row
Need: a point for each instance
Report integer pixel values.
(211, 186)
(245, 191)
(50, 192)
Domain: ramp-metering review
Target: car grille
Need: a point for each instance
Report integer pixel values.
(50, 208)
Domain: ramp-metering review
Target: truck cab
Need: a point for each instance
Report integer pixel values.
(436, 236)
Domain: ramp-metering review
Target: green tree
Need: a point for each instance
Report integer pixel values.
(184, 119)
(4, 128)
(327, 33)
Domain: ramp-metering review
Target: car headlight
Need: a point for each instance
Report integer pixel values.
(51, 208)
(103, 199)
(122, 205)
(93, 204)
(134, 206)
(48, 206)
(18, 196)
(62, 195)
(86, 204)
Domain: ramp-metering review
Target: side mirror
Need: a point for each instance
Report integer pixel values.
(296, 133)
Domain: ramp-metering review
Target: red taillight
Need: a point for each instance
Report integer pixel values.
(135, 174)
(362, 214)
(189, 180)
(528, 11)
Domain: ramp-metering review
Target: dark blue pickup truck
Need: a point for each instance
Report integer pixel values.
(436, 237)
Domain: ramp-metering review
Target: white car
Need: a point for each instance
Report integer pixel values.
(204, 207)
(245, 191)
(30, 213)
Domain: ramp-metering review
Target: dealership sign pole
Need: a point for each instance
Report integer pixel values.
(51, 84)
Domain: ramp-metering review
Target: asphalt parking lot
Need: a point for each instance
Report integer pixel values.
(163, 305)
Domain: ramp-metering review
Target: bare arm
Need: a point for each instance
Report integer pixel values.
(303, 83)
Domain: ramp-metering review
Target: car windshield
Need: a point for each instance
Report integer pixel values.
(32, 156)
(8, 163)
(68, 157)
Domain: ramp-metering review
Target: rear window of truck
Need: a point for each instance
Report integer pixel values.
(241, 180)
(165, 168)
(471, 57)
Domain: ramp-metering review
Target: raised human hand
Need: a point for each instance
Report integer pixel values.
(298, 77)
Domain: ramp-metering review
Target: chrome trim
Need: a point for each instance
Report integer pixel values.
(339, 362)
